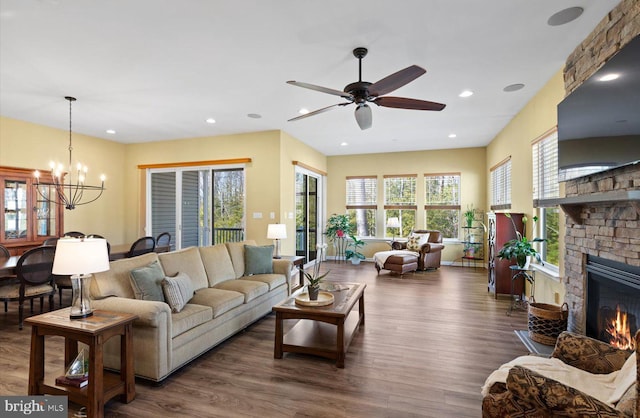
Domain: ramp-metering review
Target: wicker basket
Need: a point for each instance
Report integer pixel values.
(547, 321)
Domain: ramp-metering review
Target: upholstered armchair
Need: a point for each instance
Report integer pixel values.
(430, 253)
(527, 393)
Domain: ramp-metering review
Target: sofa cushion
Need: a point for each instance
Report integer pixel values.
(236, 251)
(116, 281)
(147, 282)
(217, 263)
(250, 289)
(273, 280)
(191, 316)
(187, 261)
(178, 290)
(258, 259)
(219, 300)
(416, 241)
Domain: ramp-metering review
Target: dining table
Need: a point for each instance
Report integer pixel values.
(8, 265)
(119, 251)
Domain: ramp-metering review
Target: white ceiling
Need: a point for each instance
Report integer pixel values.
(156, 69)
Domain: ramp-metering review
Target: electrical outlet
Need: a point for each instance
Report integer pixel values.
(556, 297)
(272, 215)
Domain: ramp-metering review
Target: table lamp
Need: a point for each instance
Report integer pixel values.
(393, 223)
(79, 257)
(277, 232)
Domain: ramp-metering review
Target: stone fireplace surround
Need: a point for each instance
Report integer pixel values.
(602, 210)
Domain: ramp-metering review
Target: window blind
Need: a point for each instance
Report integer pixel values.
(362, 192)
(501, 185)
(545, 168)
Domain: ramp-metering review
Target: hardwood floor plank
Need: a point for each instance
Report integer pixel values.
(429, 342)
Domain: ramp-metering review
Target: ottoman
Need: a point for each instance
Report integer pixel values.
(400, 263)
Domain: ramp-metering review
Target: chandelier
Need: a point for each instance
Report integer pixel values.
(69, 194)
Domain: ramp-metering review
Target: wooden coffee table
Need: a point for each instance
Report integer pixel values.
(324, 331)
(93, 331)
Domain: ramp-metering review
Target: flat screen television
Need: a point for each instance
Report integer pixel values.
(599, 122)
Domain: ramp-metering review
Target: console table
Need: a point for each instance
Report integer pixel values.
(93, 331)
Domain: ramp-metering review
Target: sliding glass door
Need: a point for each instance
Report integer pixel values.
(309, 201)
(197, 206)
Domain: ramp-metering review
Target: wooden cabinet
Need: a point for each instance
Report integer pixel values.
(27, 219)
(501, 230)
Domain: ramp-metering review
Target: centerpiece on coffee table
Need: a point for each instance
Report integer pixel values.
(313, 296)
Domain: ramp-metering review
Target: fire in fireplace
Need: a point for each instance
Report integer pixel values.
(613, 301)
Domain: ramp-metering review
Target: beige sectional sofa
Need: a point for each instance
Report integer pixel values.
(225, 302)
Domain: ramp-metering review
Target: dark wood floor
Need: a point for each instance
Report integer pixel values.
(429, 342)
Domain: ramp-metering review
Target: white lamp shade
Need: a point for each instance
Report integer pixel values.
(393, 223)
(80, 256)
(276, 231)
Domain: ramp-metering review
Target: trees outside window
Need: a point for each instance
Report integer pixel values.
(442, 203)
(400, 202)
(362, 201)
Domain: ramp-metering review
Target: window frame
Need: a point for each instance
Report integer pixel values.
(371, 205)
(400, 207)
(454, 204)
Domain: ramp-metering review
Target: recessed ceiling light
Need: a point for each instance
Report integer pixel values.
(111, 131)
(513, 87)
(303, 111)
(452, 135)
(254, 116)
(466, 93)
(565, 16)
(609, 77)
(210, 120)
(344, 144)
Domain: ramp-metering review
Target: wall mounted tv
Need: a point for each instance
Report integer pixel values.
(599, 122)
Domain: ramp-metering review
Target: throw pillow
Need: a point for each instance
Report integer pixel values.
(415, 241)
(258, 259)
(178, 291)
(147, 282)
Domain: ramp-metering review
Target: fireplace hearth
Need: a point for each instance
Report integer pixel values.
(613, 301)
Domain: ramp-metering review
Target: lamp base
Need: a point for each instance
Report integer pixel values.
(80, 315)
(81, 302)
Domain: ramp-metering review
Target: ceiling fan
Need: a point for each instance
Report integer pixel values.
(361, 92)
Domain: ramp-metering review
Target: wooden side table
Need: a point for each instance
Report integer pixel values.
(93, 331)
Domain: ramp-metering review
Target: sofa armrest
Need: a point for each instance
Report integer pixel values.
(588, 353)
(553, 398)
(150, 313)
(281, 266)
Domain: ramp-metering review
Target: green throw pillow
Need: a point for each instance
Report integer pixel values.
(147, 282)
(258, 259)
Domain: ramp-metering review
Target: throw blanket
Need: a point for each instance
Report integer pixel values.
(607, 388)
(381, 257)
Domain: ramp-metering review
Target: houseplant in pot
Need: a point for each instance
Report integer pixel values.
(314, 277)
(337, 230)
(469, 215)
(520, 248)
(352, 252)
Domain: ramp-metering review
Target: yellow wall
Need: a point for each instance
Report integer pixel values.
(470, 162)
(538, 116)
(28, 145)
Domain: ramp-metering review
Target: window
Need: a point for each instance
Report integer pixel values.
(442, 203)
(362, 202)
(501, 185)
(400, 202)
(228, 205)
(545, 186)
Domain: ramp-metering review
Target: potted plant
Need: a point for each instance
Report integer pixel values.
(520, 249)
(352, 252)
(469, 215)
(338, 226)
(315, 278)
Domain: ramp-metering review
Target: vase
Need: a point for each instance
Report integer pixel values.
(313, 292)
(523, 261)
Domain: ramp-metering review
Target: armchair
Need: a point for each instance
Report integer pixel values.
(430, 253)
(527, 393)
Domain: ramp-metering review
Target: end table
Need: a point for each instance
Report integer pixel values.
(93, 331)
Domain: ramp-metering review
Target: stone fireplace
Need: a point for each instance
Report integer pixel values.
(602, 210)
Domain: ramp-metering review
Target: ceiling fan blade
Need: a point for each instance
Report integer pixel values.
(396, 80)
(405, 103)
(321, 89)
(363, 116)
(315, 112)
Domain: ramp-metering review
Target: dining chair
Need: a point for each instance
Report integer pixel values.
(7, 278)
(74, 234)
(163, 243)
(51, 242)
(142, 246)
(35, 280)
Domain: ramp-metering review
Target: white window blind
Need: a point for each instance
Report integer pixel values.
(545, 168)
(362, 192)
(501, 185)
(400, 191)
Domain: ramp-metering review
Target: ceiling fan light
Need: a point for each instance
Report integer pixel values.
(363, 116)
